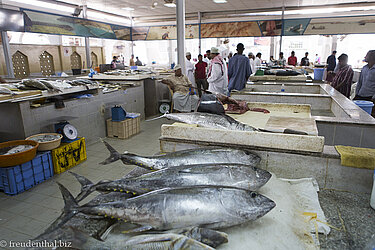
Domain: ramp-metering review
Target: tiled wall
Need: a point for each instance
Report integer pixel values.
(355, 135)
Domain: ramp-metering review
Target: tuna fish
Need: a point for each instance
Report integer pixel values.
(185, 157)
(208, 120)
(207, 236)
(172, 208)
(233, 175)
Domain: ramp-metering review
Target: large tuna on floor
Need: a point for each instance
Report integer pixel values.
(208, 120)
(172, 208)
(233, 175)
(185, 157)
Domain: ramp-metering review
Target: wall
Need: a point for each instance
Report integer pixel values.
(61, 60)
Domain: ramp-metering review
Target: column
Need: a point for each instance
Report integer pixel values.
(200, 38)
(87, 40)
(7, 54)
(180, 13)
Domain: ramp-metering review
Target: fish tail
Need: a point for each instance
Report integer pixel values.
(87, 187)
(114, 155)
(69, 201)
(157, 118)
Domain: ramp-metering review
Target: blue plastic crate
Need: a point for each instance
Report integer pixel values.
(17, 179)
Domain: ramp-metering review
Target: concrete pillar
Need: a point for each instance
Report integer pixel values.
(200, 38)
(282, 20)
(180, 13)
(7, 54)
(334, 43)
(87, 40)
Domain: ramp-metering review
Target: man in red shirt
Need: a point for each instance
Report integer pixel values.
(292, 60)
(200, 75)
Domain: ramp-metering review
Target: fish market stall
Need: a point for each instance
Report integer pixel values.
(273, 123)
(87, 107)
(335, 115)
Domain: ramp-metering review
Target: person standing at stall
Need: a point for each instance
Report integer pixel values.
(292, 60)
(305, 60)
(217, 73)
(331, 65)
(239, 70)
(251, 60)
(132, 63)
(138, 62)
(257, 62)
(189, 69)
(366, 84)
(200, 75)
(282, 60)
(184, 99)
(342, 81)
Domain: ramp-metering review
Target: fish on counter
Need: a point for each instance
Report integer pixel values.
(210, 207)
(50, 85)
(6, 91)
(208, 120)
(185, 157)
(231, 175)
(33, 83)
(15, 149)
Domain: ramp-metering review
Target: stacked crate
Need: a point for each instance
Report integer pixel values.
(123, 129)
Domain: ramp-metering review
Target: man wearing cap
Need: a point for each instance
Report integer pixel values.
(189, 69)
(183, 98)
(239, 69)
(251, 60)
(217, 73)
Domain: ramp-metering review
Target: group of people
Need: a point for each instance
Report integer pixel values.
(116, 61)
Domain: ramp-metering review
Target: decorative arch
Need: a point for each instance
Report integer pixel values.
(94, 60)
(20, 65)
(46, 64)
(75, 60)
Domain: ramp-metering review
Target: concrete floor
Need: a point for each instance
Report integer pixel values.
(25, 216)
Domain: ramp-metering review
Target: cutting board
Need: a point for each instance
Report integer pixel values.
(307, 125)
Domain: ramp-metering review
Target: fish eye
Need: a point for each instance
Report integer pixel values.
(255, 169)
(253, 195)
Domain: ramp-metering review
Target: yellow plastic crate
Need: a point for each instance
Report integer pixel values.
(69, 155)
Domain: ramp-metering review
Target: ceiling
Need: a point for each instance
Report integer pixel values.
(143, 8)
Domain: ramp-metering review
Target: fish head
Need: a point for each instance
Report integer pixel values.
(252, 205)
(261, 176)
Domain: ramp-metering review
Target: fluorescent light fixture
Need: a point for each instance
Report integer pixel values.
(46, 5)
(128, 8)
(220, 1)
(170, 5)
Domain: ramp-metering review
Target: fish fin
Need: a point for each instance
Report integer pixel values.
(80, 240)
(157, 118)
(69, 201)
(138, 230)
(87, 186)
(107, 232)
(115, 156)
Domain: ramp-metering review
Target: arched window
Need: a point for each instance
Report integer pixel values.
(46, 64)
(75, 60)
(20, 65)
(94, 60)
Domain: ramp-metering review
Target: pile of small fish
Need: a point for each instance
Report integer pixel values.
(42, 84)
(45, 138)
(15, 149)
(191, 194)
